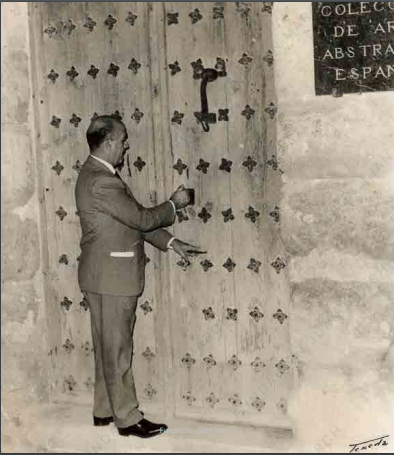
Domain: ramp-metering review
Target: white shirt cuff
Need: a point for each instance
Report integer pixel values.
(169, 247)
(173, 205)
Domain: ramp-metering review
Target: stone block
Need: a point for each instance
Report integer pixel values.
(341, 324)
(17, 168)
(20, 248)
(351, 216)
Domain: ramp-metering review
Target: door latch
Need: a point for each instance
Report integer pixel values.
(205, 117)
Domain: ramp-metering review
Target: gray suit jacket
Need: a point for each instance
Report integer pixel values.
(113, 221)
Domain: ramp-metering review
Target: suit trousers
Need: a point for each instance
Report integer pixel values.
(112, 321)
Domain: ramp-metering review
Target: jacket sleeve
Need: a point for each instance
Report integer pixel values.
(111, 197)
(158, 238)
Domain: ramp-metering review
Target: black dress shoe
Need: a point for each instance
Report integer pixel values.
(103, 421)
(143, 429)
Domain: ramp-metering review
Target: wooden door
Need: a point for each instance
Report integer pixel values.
(229, 307)
(211, 339)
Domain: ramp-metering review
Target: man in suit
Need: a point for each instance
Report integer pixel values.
(111, 271)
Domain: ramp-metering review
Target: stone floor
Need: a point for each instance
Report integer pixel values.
(65, 428)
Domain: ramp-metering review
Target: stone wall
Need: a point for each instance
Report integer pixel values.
(337, 157)
(24, 355)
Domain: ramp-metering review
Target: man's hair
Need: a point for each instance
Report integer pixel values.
(100, 128)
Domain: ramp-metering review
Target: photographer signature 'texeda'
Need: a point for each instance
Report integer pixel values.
(371, 444)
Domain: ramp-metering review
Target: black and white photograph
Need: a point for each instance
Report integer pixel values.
(197, 246)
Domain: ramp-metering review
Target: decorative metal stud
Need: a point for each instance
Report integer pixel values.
(50, 31)
(175, 68)
(271, 110)
(249, 163)
(93, 71)
(63, 259)
(232, 314)
(254, 265)
(243, 8)
(179, 166)
(189, 398)
(72, 73)
(195, 16)
(177, 117)
(212, 400)
(87, 347)
(110, 22)
(58, 168)
(273, 162)
(278, 265)
(220, 66)
(61, 213)
(256, 314)
(258, 404)
(210, 361)
(282, 405)
(52, 76)
(150, 392)
(198, 68)
(90, 24)
(234, 362)
(282, 366)
(280, 316)
(188, 360)
(66, 303)
(267, 7)
(67, 27)
(218, 12)
(202, 166)
(275, 214)
(248, 112)
(204, 215)
(137, 115)
(223, 115)
(75, 120)
(208, 313)
(84, 304)
(245, 59)
(78, 258)
(146, 307)
(206, 264)
(269, 58)
(89, 384)
(139, 163)
(117, 115)
(182, 216)
(229, 265)
(252, 214)
(69, 384)
(226, 165)
(183, 264)
(131, 18)
(147, 260)
(77, 166)
(257, 364)
(113, 69)
(228, 215)
(172, 18)
(68, 346)
(55, 121)
(134, 66)
(148, 354)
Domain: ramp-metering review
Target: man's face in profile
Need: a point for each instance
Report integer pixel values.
(120, 147)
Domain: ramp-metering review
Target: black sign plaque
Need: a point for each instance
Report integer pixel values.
(353, 47)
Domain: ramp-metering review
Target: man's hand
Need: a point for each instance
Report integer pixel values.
(180, 198)
(186, 249)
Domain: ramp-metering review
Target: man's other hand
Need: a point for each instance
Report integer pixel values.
(186, 249)
(180, 198)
